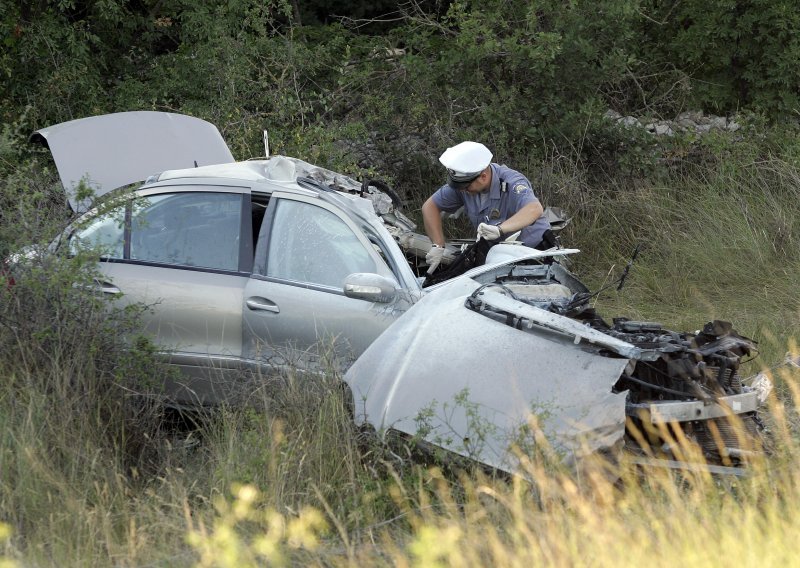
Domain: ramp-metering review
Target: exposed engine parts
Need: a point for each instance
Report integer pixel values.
(700, 365)
(674, 380)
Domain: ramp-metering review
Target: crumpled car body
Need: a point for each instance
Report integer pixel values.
(277, 262)
(522, 350)
(475, 386)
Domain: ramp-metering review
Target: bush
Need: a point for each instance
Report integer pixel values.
(735, 55)
(79, 402)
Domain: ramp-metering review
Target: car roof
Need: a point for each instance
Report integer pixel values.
(280, 170)
(279, 173)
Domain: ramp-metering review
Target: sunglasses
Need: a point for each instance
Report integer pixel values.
(461, 184)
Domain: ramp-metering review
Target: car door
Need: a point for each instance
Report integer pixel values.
(185, 252)
(295, 311)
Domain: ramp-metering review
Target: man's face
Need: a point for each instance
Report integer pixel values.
(480, 183)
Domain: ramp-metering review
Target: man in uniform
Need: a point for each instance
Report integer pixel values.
(499, 201)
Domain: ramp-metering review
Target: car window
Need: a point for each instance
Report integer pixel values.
(104, 234)
(312, 245)
(191, 229)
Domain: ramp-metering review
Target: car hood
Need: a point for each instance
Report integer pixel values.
(474, 386)
(115, 150)
(506, 254)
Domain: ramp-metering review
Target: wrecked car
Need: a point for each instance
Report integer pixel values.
(273, 262)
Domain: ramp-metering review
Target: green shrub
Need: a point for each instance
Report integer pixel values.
(735, 54)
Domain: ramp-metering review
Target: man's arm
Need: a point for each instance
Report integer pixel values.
(432, 217)
(519, 220)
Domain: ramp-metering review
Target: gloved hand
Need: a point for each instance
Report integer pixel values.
(434, 257)
(488, 232)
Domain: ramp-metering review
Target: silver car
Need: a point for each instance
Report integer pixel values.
(273, 262)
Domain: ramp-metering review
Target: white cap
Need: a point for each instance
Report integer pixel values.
(466, 160)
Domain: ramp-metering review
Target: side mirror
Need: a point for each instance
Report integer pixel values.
(370, 287)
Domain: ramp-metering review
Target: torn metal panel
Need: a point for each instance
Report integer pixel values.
(685, 411)
(686, 466)
(115, 150)
(530, 317)
(470, 384)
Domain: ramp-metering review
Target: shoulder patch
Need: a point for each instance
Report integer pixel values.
(521, 188)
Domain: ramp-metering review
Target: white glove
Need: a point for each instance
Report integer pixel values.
(488, 232)
(434, 257)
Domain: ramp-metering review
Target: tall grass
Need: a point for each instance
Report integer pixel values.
(94, 470)
(603, 515)
(73, 437)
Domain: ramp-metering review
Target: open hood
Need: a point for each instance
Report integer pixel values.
(114, 150)
(470, 384)
(504, 254)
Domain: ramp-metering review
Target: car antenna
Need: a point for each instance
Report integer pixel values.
(628, 266)
(619, 282)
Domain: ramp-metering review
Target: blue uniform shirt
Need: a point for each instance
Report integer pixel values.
(509, 192)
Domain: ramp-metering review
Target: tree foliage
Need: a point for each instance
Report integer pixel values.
(736, 53)
(526, 76)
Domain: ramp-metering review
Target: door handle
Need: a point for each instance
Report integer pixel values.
(106, 287)
(257, 303)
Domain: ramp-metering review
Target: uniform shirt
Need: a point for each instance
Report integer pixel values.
(509, 192)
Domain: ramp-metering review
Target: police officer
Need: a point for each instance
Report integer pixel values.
(499, 201)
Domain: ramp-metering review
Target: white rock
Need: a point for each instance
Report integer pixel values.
(630, 121)
(690, 115)
(663, 130)
(718, 122)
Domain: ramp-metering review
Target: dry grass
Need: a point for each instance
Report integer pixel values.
(603, 515)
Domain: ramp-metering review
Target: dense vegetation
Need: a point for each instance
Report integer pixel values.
(91, 475)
